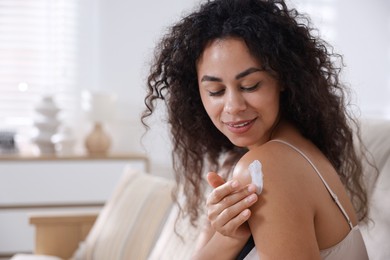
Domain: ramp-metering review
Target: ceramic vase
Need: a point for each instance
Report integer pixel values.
(97, 141)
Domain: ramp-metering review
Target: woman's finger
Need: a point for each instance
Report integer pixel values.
(224, 190)
(235, 223)
(226, 195)
(214, 179)
(229, 213)
(215, 205)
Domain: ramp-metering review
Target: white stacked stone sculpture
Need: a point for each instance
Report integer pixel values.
(46, 124)
(64, 140)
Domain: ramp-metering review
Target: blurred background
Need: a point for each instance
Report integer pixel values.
(63, 47)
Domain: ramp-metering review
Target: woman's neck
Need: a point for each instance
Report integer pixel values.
(284, 129)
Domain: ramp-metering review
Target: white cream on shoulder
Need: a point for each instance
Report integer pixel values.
(255, 170)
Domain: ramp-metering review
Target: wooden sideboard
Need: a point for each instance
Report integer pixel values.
(33, 184)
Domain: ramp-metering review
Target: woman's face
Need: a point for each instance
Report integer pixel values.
(241, 98)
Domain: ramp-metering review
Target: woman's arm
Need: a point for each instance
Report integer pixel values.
(282, 221)
(213, 245)
(226, 230)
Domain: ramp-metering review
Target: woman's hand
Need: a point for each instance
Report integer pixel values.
(228, 206)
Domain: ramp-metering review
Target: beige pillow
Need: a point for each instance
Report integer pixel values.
(130, 222)
(170, 245)
(376, 137)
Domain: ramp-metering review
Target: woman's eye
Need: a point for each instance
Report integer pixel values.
(216, 93)
(251, 88)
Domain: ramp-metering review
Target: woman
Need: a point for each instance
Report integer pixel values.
(246, 84)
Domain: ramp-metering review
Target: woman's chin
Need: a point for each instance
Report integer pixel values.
(240, 143)
(246, 142)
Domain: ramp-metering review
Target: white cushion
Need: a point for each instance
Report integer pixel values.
(175, 245)
(130, 222)
(376, 233)
(34, 257)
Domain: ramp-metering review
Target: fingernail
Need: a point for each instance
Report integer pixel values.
(246, 212)
(251, 188)
(251, 198)
(234, 184)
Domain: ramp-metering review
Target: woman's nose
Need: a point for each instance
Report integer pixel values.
(234, 102)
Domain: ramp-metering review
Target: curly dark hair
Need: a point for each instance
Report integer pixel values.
(314, 99)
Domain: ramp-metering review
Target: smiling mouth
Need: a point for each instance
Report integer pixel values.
(240, 124)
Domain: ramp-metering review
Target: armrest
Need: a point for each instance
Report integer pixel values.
(59, 234)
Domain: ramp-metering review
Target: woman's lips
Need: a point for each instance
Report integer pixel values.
(239, 127)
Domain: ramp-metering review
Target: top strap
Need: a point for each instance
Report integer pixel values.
(332, 194)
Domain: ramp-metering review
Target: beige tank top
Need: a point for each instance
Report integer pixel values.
(352, 247)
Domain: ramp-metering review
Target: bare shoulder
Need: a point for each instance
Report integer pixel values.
(284, 173)
(284, 211)
(277, 162)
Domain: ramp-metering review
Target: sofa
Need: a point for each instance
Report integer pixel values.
(138, 221)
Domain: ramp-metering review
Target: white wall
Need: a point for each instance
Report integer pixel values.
(119, 37)
(117, 42)
(363, 36)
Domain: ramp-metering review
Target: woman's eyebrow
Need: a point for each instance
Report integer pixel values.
(238, 76)
(247, 72)
(210, 78)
